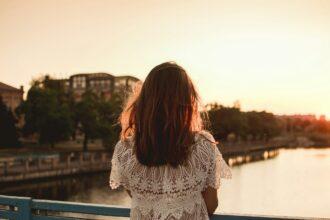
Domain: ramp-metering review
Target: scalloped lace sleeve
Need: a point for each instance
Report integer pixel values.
(218, 167)
(117, 176)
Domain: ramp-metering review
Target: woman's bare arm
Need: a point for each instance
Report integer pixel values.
(210, 196)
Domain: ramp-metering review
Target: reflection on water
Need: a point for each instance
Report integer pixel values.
(296, 183)
(62, 188)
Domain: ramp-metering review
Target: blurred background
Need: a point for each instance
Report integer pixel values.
(262, 69)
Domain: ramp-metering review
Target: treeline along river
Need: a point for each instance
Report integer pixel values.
(294, 183)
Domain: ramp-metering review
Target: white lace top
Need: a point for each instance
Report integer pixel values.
(165, 192)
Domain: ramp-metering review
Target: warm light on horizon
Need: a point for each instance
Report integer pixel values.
(271, 55)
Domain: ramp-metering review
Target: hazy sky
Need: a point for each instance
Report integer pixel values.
(271, 55)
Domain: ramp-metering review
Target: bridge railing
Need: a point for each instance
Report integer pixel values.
(25, 208)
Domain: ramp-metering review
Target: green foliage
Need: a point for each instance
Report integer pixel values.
(46, 116)
(226, 121)
(109, 126)
(262, 125)
(87, 114)
(97, 118)
(8, 130)
(308, 125)
(54, 115)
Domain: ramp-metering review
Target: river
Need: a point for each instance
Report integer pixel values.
(295, 183)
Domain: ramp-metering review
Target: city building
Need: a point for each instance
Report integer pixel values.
(99, 83)
(11, 96)
(307, 117)
(102, 84)
(57, 83)
(323, 118)
(125, 83)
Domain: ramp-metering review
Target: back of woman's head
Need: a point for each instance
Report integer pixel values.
(163, 116)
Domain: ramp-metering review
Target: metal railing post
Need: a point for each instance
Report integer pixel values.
(24, 208)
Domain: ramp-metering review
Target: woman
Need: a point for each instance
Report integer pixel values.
(169, 166)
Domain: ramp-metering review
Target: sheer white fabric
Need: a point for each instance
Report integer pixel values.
(165, 192)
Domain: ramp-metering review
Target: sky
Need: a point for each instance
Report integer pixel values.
(270, 55)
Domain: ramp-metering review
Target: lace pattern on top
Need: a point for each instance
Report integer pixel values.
(165, 192)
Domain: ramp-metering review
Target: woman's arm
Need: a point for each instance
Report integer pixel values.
(210, 196)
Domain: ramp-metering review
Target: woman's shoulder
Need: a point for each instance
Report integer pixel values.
(125, 143)
(205, 144)
(205, 135)
(123, 148)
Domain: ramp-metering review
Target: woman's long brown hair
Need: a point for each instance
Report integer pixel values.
(163, 116)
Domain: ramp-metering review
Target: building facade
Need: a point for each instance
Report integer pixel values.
(125, 83)
(11, 96)
(102, 84)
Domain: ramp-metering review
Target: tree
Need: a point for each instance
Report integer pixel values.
(232, 121)
(8, 130)
(227, 120)
(109, 127)
(88, 118)
(254, 124)
(97, 117)
(46, 116)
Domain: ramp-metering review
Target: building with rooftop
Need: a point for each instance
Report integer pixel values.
(11, 96)
(102, 84)
(125, 83)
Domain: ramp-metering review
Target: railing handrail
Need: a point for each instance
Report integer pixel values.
(23, 208)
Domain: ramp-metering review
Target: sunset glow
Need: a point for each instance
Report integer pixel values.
(270, 55)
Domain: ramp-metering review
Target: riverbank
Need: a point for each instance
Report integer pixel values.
(21, 168)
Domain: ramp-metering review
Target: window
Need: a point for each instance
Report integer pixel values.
(79, 82)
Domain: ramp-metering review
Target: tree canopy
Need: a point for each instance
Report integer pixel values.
(46, 116)
(54, 115)
(8, 130)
